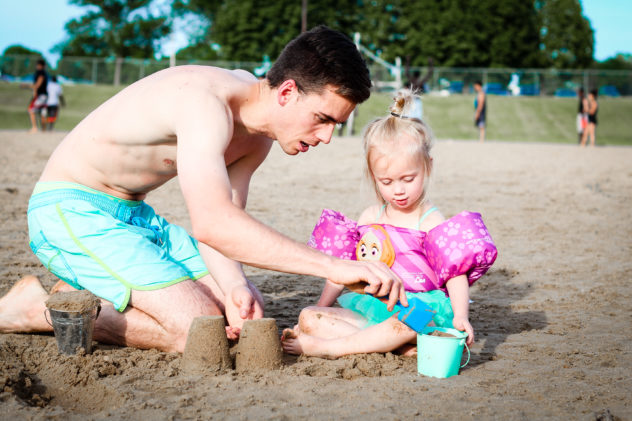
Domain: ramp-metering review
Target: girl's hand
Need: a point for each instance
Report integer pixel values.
(462, 324)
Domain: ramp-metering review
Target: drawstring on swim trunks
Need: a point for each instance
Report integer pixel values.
(139, 221)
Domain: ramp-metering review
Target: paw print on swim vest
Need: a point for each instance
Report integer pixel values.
(339, 243)
(454, 252)
(441, 241)
(326, 243)
(468, 234)
(452, 229)
(345, 255)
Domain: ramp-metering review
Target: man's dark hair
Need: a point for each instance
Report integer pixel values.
(478, 82)
(41, 62)
(323, 57)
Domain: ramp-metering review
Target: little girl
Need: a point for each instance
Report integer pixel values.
(435, 258)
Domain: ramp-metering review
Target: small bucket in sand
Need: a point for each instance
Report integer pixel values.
(72, 317)
(439, 354)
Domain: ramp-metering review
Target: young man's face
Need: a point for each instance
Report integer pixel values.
(309, 119)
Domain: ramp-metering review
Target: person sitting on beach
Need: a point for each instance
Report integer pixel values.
(89, 224)
(434, 257)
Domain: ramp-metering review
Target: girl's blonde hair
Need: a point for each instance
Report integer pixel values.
(390, 136)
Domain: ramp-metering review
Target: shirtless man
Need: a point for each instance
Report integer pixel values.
(212, 128)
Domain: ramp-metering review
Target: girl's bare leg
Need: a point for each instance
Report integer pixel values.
(329, 322)
(383, 337)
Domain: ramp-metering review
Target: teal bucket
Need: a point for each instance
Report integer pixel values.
(440, 356)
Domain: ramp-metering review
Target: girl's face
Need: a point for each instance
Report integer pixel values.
(400, 179)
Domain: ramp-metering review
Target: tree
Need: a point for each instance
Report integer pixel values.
(617, 62)
(18, 60)
(114, 28)
(20, 50)
(247, 30)
(566, 35)
(460, 33)
(200, 51)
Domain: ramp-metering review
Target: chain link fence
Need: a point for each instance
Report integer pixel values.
(444, 81)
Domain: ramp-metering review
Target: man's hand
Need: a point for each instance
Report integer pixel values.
(243, 303)
(463, 324)
(381, 280)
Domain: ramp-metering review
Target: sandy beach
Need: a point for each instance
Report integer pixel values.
(552, 317)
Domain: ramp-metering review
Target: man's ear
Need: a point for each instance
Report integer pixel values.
(286, 91)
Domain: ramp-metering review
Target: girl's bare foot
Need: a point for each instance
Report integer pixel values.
(408, 350)
(22, 309)
(296, 342)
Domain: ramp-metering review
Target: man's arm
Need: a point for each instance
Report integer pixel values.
(240, 301)
(204, 130)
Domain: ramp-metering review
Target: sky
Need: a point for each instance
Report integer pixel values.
(39, 25)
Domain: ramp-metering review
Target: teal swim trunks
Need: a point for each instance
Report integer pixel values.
(375, 310)
(109, 246)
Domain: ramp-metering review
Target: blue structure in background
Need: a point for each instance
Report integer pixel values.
(495, 89)
(609, 90)
(565, 93)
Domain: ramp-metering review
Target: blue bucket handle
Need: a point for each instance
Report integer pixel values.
(468, 355)
(46, 317)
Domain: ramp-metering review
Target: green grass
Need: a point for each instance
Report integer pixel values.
(530, 119)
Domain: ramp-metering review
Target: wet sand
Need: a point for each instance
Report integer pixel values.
(552, 317)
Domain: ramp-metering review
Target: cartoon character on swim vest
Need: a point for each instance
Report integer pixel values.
(374, 245)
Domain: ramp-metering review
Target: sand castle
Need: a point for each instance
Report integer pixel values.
(207, 348)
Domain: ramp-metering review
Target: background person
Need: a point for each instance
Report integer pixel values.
(480, 110)
(40, 92)
(53, 102)
(592, 107)
(582, 117)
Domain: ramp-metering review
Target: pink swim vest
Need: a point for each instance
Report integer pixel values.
(424, 261)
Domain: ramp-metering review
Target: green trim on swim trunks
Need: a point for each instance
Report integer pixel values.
(46, 186)
(51, 260)
(128, 285)
(200, 275)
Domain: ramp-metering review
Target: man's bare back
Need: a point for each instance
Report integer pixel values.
(128, 146)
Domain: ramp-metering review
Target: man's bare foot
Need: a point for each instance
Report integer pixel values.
(61, 286)
(33, 130)
(22, 309)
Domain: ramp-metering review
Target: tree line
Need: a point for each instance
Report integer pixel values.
(454, 33)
